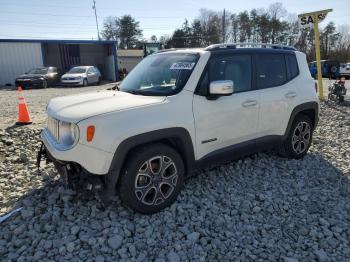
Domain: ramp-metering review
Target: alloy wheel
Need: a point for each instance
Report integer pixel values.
(301, 137)
(156, 180)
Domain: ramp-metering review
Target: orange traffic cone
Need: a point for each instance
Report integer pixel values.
(23, 114)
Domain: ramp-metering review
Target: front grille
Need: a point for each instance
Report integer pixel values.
(53, 127)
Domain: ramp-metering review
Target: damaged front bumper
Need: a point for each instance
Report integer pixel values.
(73, 175)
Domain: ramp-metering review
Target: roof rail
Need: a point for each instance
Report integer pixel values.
(235, 45)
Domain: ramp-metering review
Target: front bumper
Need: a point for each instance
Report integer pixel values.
(93, 160)
(72, 82)
(29, 83)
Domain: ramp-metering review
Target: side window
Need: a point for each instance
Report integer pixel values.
(236, 68)
(90, 70)
(292, 66)
(53, 70)
(271, 70)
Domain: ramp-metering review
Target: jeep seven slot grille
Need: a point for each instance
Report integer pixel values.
(53, 127)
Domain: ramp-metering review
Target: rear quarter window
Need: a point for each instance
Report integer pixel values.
(292, 66)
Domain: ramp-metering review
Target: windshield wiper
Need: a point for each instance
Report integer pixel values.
(116, 87)
(135, 92)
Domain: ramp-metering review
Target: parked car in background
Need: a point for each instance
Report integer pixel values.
(345, 70)
(82, 75)
(329, 69)
(39, 77)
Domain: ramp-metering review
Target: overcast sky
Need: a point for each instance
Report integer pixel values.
(75, 19)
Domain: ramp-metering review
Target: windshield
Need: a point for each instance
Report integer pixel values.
(161, 74)
(38, 71)
(77, 70)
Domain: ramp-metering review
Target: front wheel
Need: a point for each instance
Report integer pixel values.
(85, 82)
(299, 138)
(152, 179)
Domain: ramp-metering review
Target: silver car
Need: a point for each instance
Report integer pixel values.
(82, 75)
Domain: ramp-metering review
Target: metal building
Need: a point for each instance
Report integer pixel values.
(17, 56)
(129, 58)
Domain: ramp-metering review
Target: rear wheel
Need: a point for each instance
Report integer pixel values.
(99, 81)
(152, 179)
(299, 138)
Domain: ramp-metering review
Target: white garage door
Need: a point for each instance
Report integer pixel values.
(17, 58)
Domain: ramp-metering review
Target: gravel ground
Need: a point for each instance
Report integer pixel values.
(260, 208)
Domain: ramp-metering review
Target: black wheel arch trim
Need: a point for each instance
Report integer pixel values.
(179, 138)
(299, 109)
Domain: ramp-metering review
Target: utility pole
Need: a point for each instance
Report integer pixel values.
(98, 31)
(223, 27)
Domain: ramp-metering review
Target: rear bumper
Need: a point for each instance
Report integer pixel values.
(93, 160)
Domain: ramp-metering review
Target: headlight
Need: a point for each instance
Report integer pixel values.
(41, 78)
(68, 133)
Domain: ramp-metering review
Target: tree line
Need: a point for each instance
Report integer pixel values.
(271, 25)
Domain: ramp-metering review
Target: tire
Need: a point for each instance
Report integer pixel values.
(99, 81)
(85, 82)
(144, 187)
(297, 144)
(45, 84)
(341, 99)
(333, 69)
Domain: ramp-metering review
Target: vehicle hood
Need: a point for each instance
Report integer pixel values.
(74, 75)
(31, 76)
(78, 107)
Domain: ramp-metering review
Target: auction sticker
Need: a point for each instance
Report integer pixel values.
(182, 65)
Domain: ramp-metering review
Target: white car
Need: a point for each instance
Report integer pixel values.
(180, 110)
(82, 75)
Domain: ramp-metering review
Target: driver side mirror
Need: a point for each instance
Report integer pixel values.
(220, 88)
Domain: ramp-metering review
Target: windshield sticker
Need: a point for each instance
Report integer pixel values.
(182, 65)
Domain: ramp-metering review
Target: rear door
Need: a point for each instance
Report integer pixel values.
(228, 120)
(275, 74)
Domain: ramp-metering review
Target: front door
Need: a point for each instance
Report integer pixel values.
(92, 75)
(228, 120)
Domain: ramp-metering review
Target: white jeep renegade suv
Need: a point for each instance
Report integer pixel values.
(179, 110)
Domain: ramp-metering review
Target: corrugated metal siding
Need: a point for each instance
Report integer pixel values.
(17, 58)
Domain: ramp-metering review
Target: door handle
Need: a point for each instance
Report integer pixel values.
(249, 103)
(291, 95)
